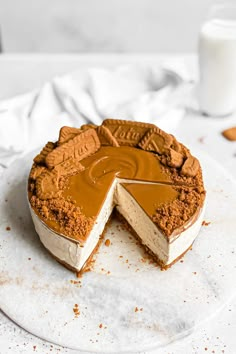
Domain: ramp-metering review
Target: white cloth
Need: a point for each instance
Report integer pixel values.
(137, 93)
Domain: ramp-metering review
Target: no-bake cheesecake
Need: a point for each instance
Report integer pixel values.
(150, 178)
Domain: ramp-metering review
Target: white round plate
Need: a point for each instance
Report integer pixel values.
(126, 303)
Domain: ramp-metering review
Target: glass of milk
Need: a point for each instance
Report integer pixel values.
(217, 60)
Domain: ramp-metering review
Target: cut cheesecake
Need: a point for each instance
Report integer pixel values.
(150, 178)
(142, 206)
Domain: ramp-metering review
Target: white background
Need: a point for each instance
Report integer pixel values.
(101, 25)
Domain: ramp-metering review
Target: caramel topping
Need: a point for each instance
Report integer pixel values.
(79, 147)
(76, 174)
(127, 132)
(102, 167)
(150, 196)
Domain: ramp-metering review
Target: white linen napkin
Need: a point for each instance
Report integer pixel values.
(139, 93)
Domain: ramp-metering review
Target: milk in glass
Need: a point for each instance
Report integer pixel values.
(217, 63)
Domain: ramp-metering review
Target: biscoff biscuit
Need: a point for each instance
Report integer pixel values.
(88, 126)
(40, 158)
(106, 137)
(176, 145)
(190, 167)
(36, 171)
(81, 146)
(174, 158)
(156, 140)
(47, 185)
(125, 132)
(69, 167)
(67, 133)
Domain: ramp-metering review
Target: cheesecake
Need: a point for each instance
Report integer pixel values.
(143, 173)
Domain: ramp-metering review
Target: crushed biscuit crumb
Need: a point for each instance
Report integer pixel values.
(107, 242)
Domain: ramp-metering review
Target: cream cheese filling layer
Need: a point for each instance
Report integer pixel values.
(167, 250)
(75, 253)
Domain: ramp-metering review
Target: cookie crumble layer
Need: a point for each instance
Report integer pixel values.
(65, 214)
(172, 216)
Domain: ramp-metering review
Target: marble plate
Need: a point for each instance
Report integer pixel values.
(126, 303)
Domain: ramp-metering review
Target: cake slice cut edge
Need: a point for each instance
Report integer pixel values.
(166, 250)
